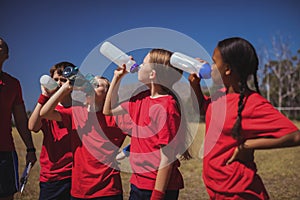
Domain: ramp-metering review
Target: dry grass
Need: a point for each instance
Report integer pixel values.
(279, 169)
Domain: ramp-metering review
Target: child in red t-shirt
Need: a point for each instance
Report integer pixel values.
(156, 131)
(95, 173)
(56, 154)
(238, 121)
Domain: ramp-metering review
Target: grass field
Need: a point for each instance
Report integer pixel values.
(279, 169)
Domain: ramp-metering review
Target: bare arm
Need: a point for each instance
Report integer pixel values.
(21, 122)
(196, 89)
(35, 120)
(164, 172)
(289, 140)
(48, 110)
(112, 94)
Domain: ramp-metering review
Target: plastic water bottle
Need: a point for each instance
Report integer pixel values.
(48, 82)
(124, 153)
(78, 80)
(117, 56)
(191, 65)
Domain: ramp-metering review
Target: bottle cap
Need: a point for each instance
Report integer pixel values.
(205, 71)
(134, 68)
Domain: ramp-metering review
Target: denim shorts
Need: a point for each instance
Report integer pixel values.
(9, 174)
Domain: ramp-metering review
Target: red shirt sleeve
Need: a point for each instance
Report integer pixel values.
(267, 121)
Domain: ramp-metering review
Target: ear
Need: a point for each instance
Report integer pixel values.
(152, 75)
(228, 70)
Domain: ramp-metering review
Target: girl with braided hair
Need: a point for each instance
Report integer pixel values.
(238, 121)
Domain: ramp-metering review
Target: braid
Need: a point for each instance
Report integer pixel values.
(238, 123)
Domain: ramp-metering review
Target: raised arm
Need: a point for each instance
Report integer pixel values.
(112, 94)
(48, 110)
(197, 99)
(35, 120)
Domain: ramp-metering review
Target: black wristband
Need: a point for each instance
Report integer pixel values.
(30, 149)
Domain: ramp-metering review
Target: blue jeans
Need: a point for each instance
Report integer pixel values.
(56, 190)
(139, 194)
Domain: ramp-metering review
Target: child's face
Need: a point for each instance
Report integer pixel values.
(145, 70)
(100, 88)
(218, 68)
(59, 78)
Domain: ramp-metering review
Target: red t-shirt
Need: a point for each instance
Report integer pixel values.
(259, 119)
(56, 154)
(95, 171)
(10, 96)
(156, 122)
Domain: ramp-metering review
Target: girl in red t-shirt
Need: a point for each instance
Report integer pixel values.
(238, 121)
(156, 131)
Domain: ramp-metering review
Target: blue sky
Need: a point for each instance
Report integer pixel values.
(42, 33)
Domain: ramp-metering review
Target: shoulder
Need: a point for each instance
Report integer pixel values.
(258, 105)
(10, 78)
(140, 95)
(256, 99)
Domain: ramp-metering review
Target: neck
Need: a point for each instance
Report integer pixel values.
(66, 101)
(157, 91)
(235, 88)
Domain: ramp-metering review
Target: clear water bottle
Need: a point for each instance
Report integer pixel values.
(78, 80)
(48, 82)
(191, 65)
(117, 56)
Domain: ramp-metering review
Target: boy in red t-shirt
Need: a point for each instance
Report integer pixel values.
(95, 173)
(56, 153)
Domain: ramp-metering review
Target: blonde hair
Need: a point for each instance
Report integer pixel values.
(166, 74)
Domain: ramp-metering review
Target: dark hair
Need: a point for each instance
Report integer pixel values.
(241, 57)
(59, 67)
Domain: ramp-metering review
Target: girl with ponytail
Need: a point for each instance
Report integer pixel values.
(238, 121)
(157, 137)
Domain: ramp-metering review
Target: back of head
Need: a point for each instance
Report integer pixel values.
(59, 67)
